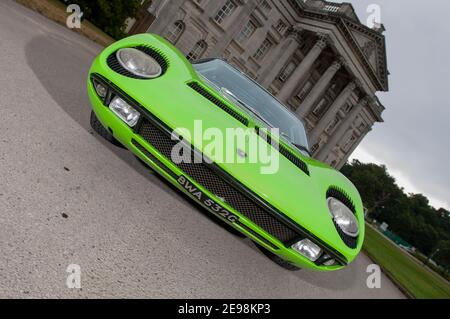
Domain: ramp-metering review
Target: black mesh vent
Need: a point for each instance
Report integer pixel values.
(208, 178)
(114, 64)
(284, 151)
(199, 89)
(251, 231)
(345, 199)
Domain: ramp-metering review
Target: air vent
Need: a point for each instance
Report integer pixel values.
(202, 91)
(340, 195)
(284, 151)
(114, 64)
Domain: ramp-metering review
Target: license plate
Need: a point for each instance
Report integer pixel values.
(205, 200)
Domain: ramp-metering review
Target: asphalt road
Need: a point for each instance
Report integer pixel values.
(67, 197)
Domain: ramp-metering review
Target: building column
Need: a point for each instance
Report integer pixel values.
(319, 89)
(340, 131)
(331, 113)
(281, 57)
(302, 70)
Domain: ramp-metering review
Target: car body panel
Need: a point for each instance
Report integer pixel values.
(293, 193)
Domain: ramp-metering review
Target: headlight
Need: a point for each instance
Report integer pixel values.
(138, 63)
(329, 260)
(124, 111)
(343, 217)
(100, 89)
(308, 249)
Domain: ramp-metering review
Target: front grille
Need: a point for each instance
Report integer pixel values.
(206, 176)
(202, 91)
(251, 231)
(340, 195)
(284, 151)
(114, 64)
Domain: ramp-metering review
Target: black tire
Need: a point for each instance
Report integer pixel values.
(278, 260)
(102, 131)
(143, 163)
(232, 230)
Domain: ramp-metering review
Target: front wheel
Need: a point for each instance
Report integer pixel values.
(277, 259)
(102, 131)
(232, 230)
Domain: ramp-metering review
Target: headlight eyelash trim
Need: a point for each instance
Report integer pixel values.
(341, 195)
(156, 54)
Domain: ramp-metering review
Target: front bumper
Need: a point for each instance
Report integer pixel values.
(138, 142)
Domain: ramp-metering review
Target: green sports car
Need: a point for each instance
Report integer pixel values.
(147, 97)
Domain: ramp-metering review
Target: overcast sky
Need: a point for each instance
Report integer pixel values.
(414, 140)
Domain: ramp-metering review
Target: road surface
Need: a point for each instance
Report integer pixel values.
(67, 197)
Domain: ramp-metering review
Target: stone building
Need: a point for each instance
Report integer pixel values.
(316, 56)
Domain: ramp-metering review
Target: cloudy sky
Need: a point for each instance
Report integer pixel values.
(415, 138)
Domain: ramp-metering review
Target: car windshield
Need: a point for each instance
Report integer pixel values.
(232, 83)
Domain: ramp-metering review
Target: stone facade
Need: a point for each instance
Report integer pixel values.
(315, 56)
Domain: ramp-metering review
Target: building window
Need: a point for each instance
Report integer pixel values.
(251, 75)
(281, 27)
(331, 8)
(272, 91)
(263, 49)
(350, 142)
(175, 31)
(315, 147)
(197, 51)
(287, 71)
(265, 7)
(332, 125)
(304, 91)
(362, 126)
(318, 110)
(246, 32)
(225, 11)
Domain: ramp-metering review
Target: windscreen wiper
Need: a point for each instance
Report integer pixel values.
(227, 92)
(303, 148)
(300, 147)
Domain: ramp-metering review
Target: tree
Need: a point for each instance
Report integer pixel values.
(109, 15)
(409, 215)
(379, 191)
(442, 257)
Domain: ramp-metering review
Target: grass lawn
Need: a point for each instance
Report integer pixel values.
(407, 272)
